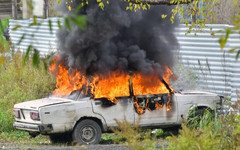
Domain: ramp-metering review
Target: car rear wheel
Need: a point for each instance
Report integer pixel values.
(87, 132)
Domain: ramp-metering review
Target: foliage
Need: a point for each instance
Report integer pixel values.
(3, 24)
(18, 83)
(227, 32)
(194, 11)
(112, 138)
(219, 132)
(197, 121)
(22, 137)
(135, 138)
(211, 131)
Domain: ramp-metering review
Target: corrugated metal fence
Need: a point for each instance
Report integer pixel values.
(40, 36)
(217, 71)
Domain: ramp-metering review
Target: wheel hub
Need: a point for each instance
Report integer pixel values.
(88, 133)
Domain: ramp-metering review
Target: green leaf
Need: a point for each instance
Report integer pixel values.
(26, 57)
(36, 58)
(163, 16)
(67, 23)
(222, 42)
(238, 53)
(59, 24)
(50, 26)
(21, 39)
(77, 9)
(223, 39)
(235, 2)
(16, 27)
(30, 5)
(59, 2)
(34, 23)
(213, 34)
(79, 21)
(232, 50)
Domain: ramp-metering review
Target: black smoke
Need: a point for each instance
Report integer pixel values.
(119, 39)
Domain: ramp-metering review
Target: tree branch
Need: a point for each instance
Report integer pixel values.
(158, 2)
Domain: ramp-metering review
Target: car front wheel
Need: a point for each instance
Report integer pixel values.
(87, 132)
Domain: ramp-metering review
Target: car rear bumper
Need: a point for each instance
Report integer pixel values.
(33, 127)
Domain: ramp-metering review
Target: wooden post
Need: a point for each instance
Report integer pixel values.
(45, 11)
(14, 9)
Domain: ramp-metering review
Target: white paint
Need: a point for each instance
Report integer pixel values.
(63, 114)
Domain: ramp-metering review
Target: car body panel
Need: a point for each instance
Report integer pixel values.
(123, 109)
(159, 117)
(63, 114)
(36, 104)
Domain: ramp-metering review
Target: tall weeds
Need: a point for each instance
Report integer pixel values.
(213, 132)
(135, 137)
(18, 83)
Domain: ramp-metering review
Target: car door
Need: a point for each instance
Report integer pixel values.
(159, 116)
(110, 112)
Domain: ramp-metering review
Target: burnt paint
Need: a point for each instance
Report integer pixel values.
(124, 101)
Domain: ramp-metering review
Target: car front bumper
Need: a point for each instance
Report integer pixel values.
(33, 127)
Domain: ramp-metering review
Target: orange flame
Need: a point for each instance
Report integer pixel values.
(158, 106)
(66, 82)
(137, 107)
(169, 107)
(109, 85)
(149, 84)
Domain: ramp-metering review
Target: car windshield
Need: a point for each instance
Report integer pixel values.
(77, 95)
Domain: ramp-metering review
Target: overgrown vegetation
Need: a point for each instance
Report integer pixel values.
(20, 82)
(210, 131)
(213, 132)
(134, 136)
(4, 43)
(22, 137)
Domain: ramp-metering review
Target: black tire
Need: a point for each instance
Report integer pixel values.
(87, 132)
(65, 138)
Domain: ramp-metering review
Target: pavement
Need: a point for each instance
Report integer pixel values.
(16, 146)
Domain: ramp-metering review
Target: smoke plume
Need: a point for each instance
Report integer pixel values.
(119, 39)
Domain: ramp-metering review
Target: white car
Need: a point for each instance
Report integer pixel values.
(85, 119)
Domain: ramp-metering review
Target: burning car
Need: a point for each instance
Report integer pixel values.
(85, 118)
(119, 66)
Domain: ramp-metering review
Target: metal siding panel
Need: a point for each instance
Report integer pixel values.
(225, 71)
(40, 37)
(223, 77)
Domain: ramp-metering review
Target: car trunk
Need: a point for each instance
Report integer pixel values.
(33, 106)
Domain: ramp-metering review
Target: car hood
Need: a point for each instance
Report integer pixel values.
(35, 104)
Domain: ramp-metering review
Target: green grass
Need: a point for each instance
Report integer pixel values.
(18, 136)
(212, 132)
(3, 24)
(19, 83)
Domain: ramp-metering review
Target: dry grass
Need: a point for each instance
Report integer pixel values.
(18, 83)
